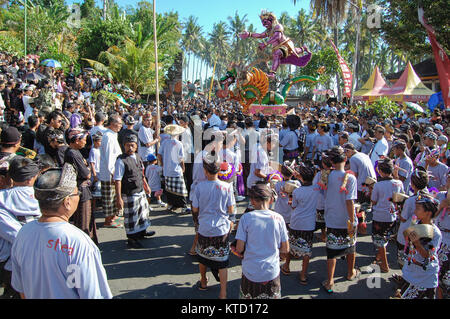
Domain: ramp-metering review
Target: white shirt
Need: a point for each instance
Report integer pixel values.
(109, 150)
(145, 136)
(380, 148)
(188, 146)
(28, 109)
(353, 138)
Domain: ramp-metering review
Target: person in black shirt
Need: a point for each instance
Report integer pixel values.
(129, 122)
(54, 121)
(83, 217)
(29, 135)
(57, 143)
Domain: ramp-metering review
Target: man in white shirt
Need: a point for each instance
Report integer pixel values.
(146, 143)
(381, 147)
(64, 263)
(27, 100)
(109, 151)
(354, 137)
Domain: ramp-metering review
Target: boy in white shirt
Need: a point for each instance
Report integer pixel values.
(153, 174)
(94, 164)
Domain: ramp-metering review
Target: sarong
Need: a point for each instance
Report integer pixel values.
(85, 220)
(213, 252)
(176, 191)
(300, 242)
(339, 243)
(444, 269)
(109, 199)
(320, 219)
(409, 291)
(382, 232)
(260, 290)
(136, 213)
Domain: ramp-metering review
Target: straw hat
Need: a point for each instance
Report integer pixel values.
(173, 129)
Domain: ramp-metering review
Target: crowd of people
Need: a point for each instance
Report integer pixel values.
(65, 156)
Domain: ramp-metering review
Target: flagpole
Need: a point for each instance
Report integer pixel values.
(158, 115)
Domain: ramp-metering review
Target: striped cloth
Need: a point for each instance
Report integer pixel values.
(176, 186)
(136, 213)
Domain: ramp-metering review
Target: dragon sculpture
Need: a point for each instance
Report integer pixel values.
(251, 86)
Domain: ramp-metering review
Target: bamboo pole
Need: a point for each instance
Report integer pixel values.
(158, 115)
(212, 80)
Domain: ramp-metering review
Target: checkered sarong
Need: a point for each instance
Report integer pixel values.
(109, 199)
(176, 186)
(136, 213)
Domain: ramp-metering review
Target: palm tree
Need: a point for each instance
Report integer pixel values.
(192, 33)
(237, 25)
(219, 39)
(131, 65)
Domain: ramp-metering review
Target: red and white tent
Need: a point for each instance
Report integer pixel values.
(408, 88)
(371, 89)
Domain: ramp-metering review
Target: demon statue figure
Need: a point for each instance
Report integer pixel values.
(283, 49)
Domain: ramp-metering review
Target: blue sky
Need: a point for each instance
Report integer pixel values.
(213, 11)
(209, 12)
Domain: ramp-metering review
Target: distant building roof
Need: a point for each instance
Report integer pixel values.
(426, 68)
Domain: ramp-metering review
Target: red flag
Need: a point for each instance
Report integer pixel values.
(346, 73)
(441, 58)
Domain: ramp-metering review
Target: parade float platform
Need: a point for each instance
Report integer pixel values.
(279, 110)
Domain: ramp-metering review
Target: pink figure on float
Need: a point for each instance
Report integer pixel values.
(283, 49)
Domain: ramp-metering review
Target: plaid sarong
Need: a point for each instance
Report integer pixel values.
(136, 213)
(176, 186)
(109, 199)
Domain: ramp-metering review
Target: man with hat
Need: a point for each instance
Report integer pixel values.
(53, 266)
(171, 157)
(83, 217)
(10, 140)
(131, 188)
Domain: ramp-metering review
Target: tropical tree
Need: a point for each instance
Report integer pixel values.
(219, 39)
(191, 39)
(131, 65)
(237, 25)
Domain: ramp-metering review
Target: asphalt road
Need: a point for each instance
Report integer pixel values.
(163, 270)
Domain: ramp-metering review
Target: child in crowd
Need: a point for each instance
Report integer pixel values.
(303, 221)
(419, 181)
(153, 173)
(384, 213)
(94, 163)
(420, 273)
(282, 204)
